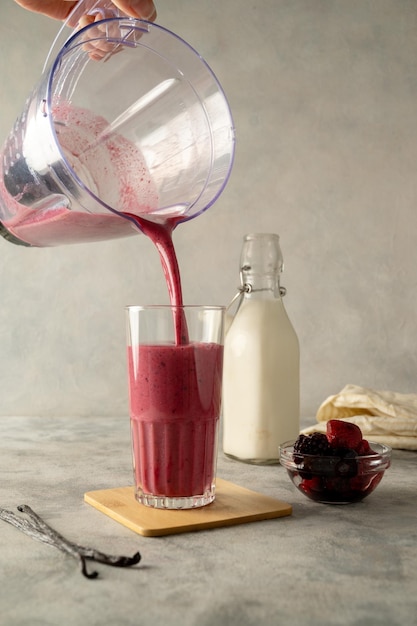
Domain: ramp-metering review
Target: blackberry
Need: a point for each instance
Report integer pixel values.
(316, 444)
(347, 466)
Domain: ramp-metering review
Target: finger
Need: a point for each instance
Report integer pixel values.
(144, 9)
(96, 37)
(85, 20)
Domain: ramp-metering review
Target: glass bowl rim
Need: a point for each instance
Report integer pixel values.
(378, 461)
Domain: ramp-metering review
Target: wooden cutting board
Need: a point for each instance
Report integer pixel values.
(233, 505)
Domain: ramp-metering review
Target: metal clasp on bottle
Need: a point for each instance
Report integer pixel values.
(248, 288)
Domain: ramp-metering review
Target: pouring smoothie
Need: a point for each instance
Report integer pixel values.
(174, 393)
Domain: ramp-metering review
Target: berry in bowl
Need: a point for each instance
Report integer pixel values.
(338, 467)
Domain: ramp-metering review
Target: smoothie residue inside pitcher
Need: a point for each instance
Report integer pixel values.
(113, 169)
(109, 165)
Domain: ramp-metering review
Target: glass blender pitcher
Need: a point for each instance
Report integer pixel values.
(127, 119)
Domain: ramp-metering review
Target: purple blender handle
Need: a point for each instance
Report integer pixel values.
(104, 8)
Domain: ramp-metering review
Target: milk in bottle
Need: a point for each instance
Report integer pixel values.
(261, 360)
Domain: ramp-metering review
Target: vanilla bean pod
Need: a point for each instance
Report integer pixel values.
(38, 529)
(53, 538)
(89, 553)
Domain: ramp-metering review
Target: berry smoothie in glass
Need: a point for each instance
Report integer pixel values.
(174, 398)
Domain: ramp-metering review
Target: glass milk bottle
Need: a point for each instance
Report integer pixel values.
(261, 386)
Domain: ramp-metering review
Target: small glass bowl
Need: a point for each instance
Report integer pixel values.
(336, 479)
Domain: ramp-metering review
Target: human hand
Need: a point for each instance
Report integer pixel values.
(97, 45)
(60, 9)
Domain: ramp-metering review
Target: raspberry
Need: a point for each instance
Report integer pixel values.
(312, 487)
(343, 434)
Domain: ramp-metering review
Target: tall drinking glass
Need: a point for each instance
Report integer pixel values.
(174, 399)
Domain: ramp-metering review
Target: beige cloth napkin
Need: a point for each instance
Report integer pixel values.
(383, 416)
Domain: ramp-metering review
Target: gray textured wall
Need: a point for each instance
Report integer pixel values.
(324, 95)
